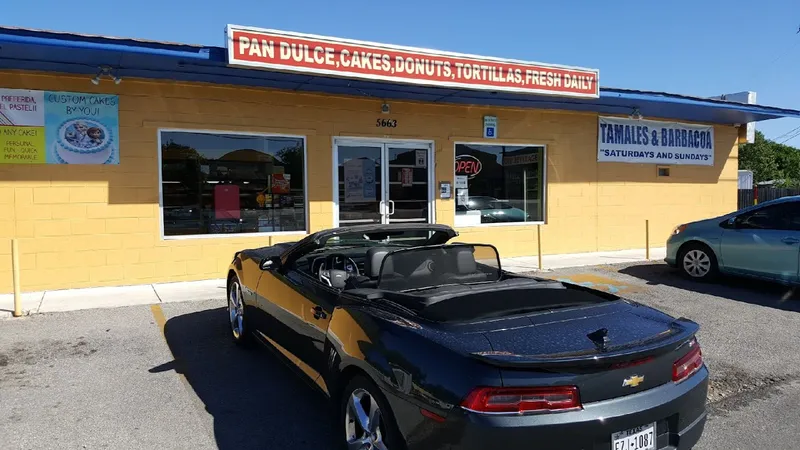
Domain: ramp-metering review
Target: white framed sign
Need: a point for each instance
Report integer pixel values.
(626, 140)
(490, 127)
(421, 158)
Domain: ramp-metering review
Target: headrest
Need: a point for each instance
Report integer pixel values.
(374, 258)
(465, 260)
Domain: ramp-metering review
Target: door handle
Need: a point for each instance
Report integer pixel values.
(790, 240)
(319, 313)
(391, 203)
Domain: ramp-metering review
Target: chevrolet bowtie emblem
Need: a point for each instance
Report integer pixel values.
(633, 381)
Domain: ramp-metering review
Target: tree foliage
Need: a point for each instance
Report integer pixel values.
(771, 161)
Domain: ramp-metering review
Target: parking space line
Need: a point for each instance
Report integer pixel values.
(602, 283)
(158, 316)
(161, 322)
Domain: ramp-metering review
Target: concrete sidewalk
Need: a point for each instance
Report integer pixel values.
(110, 297)
(524, 264)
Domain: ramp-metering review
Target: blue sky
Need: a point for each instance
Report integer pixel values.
(698, 47)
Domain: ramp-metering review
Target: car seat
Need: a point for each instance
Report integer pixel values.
(372, 269)
(462, 267)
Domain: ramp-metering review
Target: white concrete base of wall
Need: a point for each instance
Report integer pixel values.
(147, 294)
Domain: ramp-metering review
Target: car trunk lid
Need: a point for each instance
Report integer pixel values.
(607, 350)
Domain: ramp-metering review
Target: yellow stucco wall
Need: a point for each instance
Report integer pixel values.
(81, 226)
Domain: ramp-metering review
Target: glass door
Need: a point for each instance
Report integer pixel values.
(360, 187)
(382, 182)
(408, 190)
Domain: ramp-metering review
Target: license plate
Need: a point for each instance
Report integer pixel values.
(640, 438)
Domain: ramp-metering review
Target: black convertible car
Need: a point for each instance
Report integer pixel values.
(425, 344)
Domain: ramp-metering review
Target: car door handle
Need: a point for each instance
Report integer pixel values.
(790, 240)
(319, 313)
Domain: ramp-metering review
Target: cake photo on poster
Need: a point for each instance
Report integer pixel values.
(83, 141)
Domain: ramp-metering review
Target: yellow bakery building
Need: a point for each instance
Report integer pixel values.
(126, 162)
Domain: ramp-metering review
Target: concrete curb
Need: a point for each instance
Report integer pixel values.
(113, 297)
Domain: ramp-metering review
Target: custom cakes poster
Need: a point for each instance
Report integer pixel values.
(45, 127)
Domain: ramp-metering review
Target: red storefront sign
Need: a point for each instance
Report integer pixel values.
(277, 50)
(468, 165)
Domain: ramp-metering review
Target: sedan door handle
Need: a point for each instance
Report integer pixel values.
(790, 240)
(319, 313)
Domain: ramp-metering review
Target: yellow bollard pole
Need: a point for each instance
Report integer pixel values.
(539, 243)
(647, 239)
(15, 274)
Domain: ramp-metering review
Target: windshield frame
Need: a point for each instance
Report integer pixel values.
(499, 267)
(312, 242)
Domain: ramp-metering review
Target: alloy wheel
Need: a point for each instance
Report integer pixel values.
(697, 263)
(236, 309)
(362, 422)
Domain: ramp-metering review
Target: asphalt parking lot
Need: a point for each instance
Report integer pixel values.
(168, 376)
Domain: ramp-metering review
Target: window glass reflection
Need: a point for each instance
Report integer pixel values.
(230, 183)
(499, 184)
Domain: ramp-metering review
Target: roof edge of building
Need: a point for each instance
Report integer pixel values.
(216, 55)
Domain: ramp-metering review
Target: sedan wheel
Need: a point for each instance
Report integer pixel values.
(236, 313)
(698, 263)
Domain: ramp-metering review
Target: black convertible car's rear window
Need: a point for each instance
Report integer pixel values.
(431, 266)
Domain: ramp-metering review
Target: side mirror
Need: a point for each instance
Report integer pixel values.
(733, 222)
(272, 263)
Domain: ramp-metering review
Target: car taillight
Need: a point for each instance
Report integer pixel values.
(688, 364)
(520, 400)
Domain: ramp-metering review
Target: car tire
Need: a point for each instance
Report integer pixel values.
(697, 262)
(237, 322)
(365, 393)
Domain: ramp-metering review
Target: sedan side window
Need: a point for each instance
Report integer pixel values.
(783, 216)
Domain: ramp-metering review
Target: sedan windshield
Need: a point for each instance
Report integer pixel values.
(498, 204)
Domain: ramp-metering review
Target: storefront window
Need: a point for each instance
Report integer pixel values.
(230, 183)
(499, 184)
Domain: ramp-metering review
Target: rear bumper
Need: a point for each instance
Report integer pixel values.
(679, 412)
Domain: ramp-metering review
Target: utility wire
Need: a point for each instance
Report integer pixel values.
(786, 134)
(760, 69)
(794, 135)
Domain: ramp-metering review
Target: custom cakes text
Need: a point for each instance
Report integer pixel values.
(87, 105)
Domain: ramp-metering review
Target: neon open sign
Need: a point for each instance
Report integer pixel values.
(468, 165)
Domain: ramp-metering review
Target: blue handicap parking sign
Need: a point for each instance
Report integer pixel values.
(489, 131)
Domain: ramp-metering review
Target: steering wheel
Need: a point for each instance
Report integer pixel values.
(336, 269)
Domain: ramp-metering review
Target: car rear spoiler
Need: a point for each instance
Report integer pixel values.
(680, 333)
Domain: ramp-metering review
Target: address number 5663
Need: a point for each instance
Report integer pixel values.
(386, 123)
